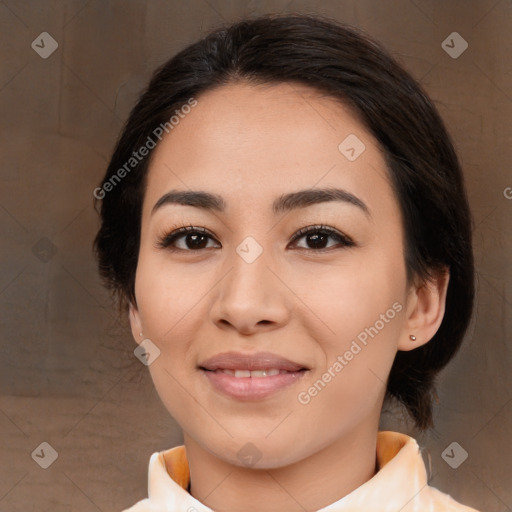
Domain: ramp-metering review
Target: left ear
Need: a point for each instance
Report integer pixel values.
(425, 310)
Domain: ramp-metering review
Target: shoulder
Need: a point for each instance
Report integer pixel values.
(403, 477)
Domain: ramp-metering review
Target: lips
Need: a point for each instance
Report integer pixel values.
(260, 361)
(249, 377)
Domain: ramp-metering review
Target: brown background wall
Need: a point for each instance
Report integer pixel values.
(68, 375)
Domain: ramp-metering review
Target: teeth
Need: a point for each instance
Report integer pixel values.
(254, 373)
(264, 373)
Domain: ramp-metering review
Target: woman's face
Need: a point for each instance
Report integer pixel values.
(332, 302)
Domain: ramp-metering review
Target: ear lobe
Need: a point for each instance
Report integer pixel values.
(425, 311)
(135, 323)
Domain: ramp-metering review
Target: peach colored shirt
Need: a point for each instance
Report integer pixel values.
(400, 483)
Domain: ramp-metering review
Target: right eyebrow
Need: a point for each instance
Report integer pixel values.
(196, 198)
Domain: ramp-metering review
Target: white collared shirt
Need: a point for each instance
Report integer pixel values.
(400, 484)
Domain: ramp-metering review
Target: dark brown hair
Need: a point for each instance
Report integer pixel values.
(339, 61)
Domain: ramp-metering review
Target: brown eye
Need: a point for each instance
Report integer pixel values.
(187, 238)
(317, 238)
(195, 241)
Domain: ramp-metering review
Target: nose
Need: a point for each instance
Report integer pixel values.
(251, 298)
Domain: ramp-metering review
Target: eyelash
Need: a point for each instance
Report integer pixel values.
(165, 241)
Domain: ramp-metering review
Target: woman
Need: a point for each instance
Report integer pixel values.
(284, 217)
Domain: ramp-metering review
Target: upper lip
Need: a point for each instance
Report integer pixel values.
(258, 361)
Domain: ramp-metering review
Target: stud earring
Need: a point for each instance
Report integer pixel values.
(141, 335)
(412, 337)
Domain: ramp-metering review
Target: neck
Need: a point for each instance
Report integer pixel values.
(309, 484)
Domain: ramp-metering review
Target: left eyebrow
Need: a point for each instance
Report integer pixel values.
(285, 202)
(305, 198)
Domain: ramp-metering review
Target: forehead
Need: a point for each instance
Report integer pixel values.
(267, 139)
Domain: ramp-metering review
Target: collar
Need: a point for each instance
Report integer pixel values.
(399, 484)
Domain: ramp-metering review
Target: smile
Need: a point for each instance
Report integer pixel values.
(252, 385)
(253, 373)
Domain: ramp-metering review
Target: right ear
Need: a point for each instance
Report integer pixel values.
(135, 323)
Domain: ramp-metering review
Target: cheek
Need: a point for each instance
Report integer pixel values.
(361, 307)
(167, 299)
(364, 318)
(169, 305)
(348, 298)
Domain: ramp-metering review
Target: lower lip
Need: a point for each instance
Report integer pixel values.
(251, 388)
